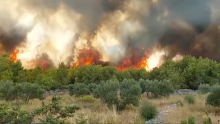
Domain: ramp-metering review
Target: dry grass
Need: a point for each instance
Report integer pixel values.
(98, 113)
(95, 112)
(180, 113)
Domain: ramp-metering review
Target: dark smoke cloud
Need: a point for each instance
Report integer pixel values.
(12, 38)
(188, 29)
(208, 43)
(182, 26)
(196, 13)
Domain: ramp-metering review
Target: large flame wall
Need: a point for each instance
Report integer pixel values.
(123, 33)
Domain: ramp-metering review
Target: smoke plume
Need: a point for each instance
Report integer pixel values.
(123, 33)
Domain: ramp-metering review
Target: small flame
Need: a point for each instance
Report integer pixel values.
(13, 56)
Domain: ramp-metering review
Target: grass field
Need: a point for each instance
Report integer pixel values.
(97, 112)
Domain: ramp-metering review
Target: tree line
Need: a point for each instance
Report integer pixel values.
(187, 73)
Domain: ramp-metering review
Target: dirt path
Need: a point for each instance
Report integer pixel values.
(161, 114)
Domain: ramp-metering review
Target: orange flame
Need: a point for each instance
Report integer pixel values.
(87, 57)
(13, 56)
(134, 61)
(128, 64)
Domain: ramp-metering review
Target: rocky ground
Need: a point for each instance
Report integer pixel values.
(163, 112)
(160, 117)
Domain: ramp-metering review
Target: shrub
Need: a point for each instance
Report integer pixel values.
(130, 92)
(143, 83)
(27, 91)
(52, 113)
(108, 92)
(7, 91)
(204, 88)
(92, 88)
(160, 88)
(24, 91)
(14, 115)
(148, 111)
(191, 120)
(189, 99)
(184, 122)
(87, 98)
(78, 89)
(214, 97)
(207, 121)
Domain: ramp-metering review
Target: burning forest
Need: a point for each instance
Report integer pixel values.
(122, 33)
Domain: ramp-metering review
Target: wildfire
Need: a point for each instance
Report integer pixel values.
(127, 63)
(13, 56)
(148, 60)
(135, 60)
(43, 64)
(87, 57)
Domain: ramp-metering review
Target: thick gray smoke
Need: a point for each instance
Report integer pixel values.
(180, 26)
(92, 11)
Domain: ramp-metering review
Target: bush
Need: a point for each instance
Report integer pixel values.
(189, 99)
(92, 88)
(214, 97)
(184, 122)
(7, 91)
(27, 91)
(143, 83)
(55, 113)
(78, 89)
(87, 98)
(159, 88)
(52, 113)
(119, 94)
(207, 121)
(148, 111)
(191, 120)
(24, 91)
(14, 115)
(130, 92)
(204, 88)
(108, 92)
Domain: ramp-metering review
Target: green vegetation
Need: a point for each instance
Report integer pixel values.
(78, 89)
(191, 120)
(117, 89)
(184, 122)
(187, 73)
(24, 91)
(108, 93)
(206, 121)
(148, 111)
(119, 94)
(204, 88)
(52, 113)
(189, 99)
(87, 98)
(157, 88)
(214, 97)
